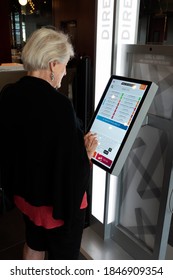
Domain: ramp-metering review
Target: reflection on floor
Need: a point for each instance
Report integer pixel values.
(12, 240)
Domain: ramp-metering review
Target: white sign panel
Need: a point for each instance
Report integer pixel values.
(126, 28)
(104, 40)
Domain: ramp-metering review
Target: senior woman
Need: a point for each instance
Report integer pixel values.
(45, 156)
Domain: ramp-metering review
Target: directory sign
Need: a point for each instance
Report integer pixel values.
(118, 118)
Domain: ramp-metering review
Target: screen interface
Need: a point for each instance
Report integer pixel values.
(114, 117)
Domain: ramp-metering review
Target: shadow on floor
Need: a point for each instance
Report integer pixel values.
(11, 235)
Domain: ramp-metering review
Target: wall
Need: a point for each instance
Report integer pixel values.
(86, 27)
(170, 32)
(5, 43)
(64, 10)
(83, 11)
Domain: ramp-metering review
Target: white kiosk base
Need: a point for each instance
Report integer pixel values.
(93, 247)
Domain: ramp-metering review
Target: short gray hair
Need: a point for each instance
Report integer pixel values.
(46, 45)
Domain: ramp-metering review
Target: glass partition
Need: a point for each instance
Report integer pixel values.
(142, 182)
(143, 217)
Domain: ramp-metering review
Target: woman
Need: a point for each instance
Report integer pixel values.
(45, 162)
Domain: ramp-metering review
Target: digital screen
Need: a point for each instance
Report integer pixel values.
(114, 117)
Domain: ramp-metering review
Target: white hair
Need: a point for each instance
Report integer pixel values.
(46, 45)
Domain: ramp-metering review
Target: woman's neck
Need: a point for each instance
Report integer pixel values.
(42, 74)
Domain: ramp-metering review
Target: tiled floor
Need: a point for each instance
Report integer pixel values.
(12, 236)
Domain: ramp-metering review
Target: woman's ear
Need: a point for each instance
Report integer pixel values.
(52, 65)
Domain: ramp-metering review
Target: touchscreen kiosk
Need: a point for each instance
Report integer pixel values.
(118, 118)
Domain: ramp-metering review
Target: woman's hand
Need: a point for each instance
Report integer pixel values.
(91, 143)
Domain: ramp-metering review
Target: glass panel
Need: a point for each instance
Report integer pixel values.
(157, 68)
(155, 22)
(25, 20)
(142, 182)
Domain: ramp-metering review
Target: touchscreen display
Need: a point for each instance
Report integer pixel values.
(114, 117)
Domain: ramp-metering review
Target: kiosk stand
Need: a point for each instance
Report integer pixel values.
(139, 202)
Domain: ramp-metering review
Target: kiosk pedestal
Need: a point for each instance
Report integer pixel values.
(139, 202)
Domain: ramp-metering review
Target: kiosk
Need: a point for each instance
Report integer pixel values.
(118, 118)
(131, 212)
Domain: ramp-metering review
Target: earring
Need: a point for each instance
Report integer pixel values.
(52, 76)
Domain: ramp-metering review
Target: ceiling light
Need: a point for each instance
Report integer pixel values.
(23, 2)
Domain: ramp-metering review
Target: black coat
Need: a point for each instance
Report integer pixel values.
(42, 150)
